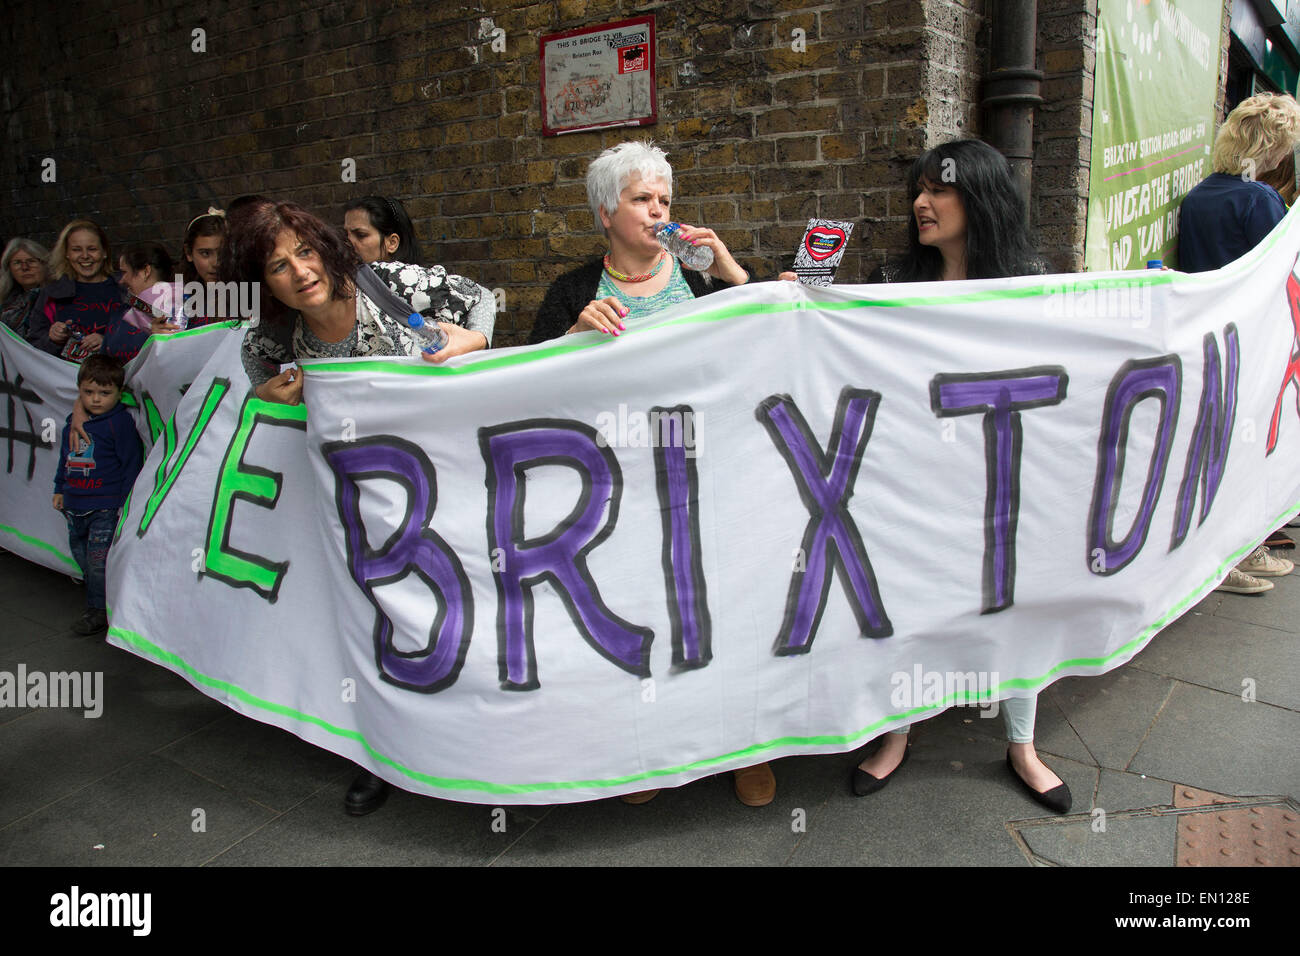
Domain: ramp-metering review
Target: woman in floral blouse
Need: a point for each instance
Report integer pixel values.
(314, 308)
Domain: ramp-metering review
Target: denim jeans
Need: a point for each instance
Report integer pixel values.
(89, 534)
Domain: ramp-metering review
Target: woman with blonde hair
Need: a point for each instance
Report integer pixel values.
(1253, 182)
(1227, 215)
(80, 309)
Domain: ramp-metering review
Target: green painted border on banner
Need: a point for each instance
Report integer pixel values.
(187, 333)
(37, 542)
(1077, 282)
(756, 752)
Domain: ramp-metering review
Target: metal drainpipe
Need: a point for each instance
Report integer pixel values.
(1012, 86)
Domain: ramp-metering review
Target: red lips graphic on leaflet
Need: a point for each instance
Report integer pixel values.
(822, 242)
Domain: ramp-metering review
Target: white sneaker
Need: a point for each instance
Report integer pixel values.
(1238, 582)
(1263, 565)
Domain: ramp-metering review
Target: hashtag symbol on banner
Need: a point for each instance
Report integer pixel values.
(16, 394)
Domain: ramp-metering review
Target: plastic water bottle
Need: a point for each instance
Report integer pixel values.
(669, 235)
(431, 332)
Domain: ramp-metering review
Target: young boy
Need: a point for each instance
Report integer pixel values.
(91, 485)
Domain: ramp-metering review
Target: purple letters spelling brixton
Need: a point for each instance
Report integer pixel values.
(1208, 452)
(509, 451)
(678, 484)
(825, 483)
(1160, 378)
(413, 547)
(999, 397)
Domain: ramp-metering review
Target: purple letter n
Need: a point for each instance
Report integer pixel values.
(559, 556)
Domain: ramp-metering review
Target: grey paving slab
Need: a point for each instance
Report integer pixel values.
(948, 806)
(408, 831)
(1216, 741)
(964, 751)
(50, 753)
(25, 584)
(257, 761)
(1275, 608)
(150, 812)
(702, 821)
(1140, 841)
(1223, 653)
(17, 631)
(162, 749)
(1053, 731)
(1131, 791)
(1113, 712)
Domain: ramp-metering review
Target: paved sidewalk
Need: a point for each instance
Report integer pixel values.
(1186, 771)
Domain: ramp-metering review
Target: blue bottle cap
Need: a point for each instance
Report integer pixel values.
(415, 320)
(1155, 263)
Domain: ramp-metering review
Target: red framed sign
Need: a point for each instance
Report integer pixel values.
(598, 77)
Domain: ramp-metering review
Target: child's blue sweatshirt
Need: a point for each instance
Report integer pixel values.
(100, 476)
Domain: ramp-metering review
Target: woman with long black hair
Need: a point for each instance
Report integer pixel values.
(380, 230)
(968, 222)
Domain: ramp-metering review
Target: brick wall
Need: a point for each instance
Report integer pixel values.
(1067, 55)
(146, 132)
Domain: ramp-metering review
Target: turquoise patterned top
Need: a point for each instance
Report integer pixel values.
(637, 306)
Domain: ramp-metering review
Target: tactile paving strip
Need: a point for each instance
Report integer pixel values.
(1224, 835)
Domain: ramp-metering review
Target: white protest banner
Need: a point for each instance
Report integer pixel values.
(39, 390)
(162, 373)
(596, 566)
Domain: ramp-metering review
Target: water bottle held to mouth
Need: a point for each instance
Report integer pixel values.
(669, 235)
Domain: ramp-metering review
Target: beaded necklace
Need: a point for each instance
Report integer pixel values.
(615, 274)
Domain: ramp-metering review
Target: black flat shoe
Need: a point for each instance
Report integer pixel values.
(865, 784)
(1058, 799)
(94, 621)
(366, 795)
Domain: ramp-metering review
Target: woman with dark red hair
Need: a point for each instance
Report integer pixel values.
(318, 306)
(322, 304)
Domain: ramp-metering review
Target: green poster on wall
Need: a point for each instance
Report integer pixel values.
(1152, 125)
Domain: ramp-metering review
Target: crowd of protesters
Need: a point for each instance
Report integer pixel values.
(360, 289)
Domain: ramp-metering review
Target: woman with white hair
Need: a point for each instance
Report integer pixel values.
(1253, 182)
(629, 188)
(22, 271)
